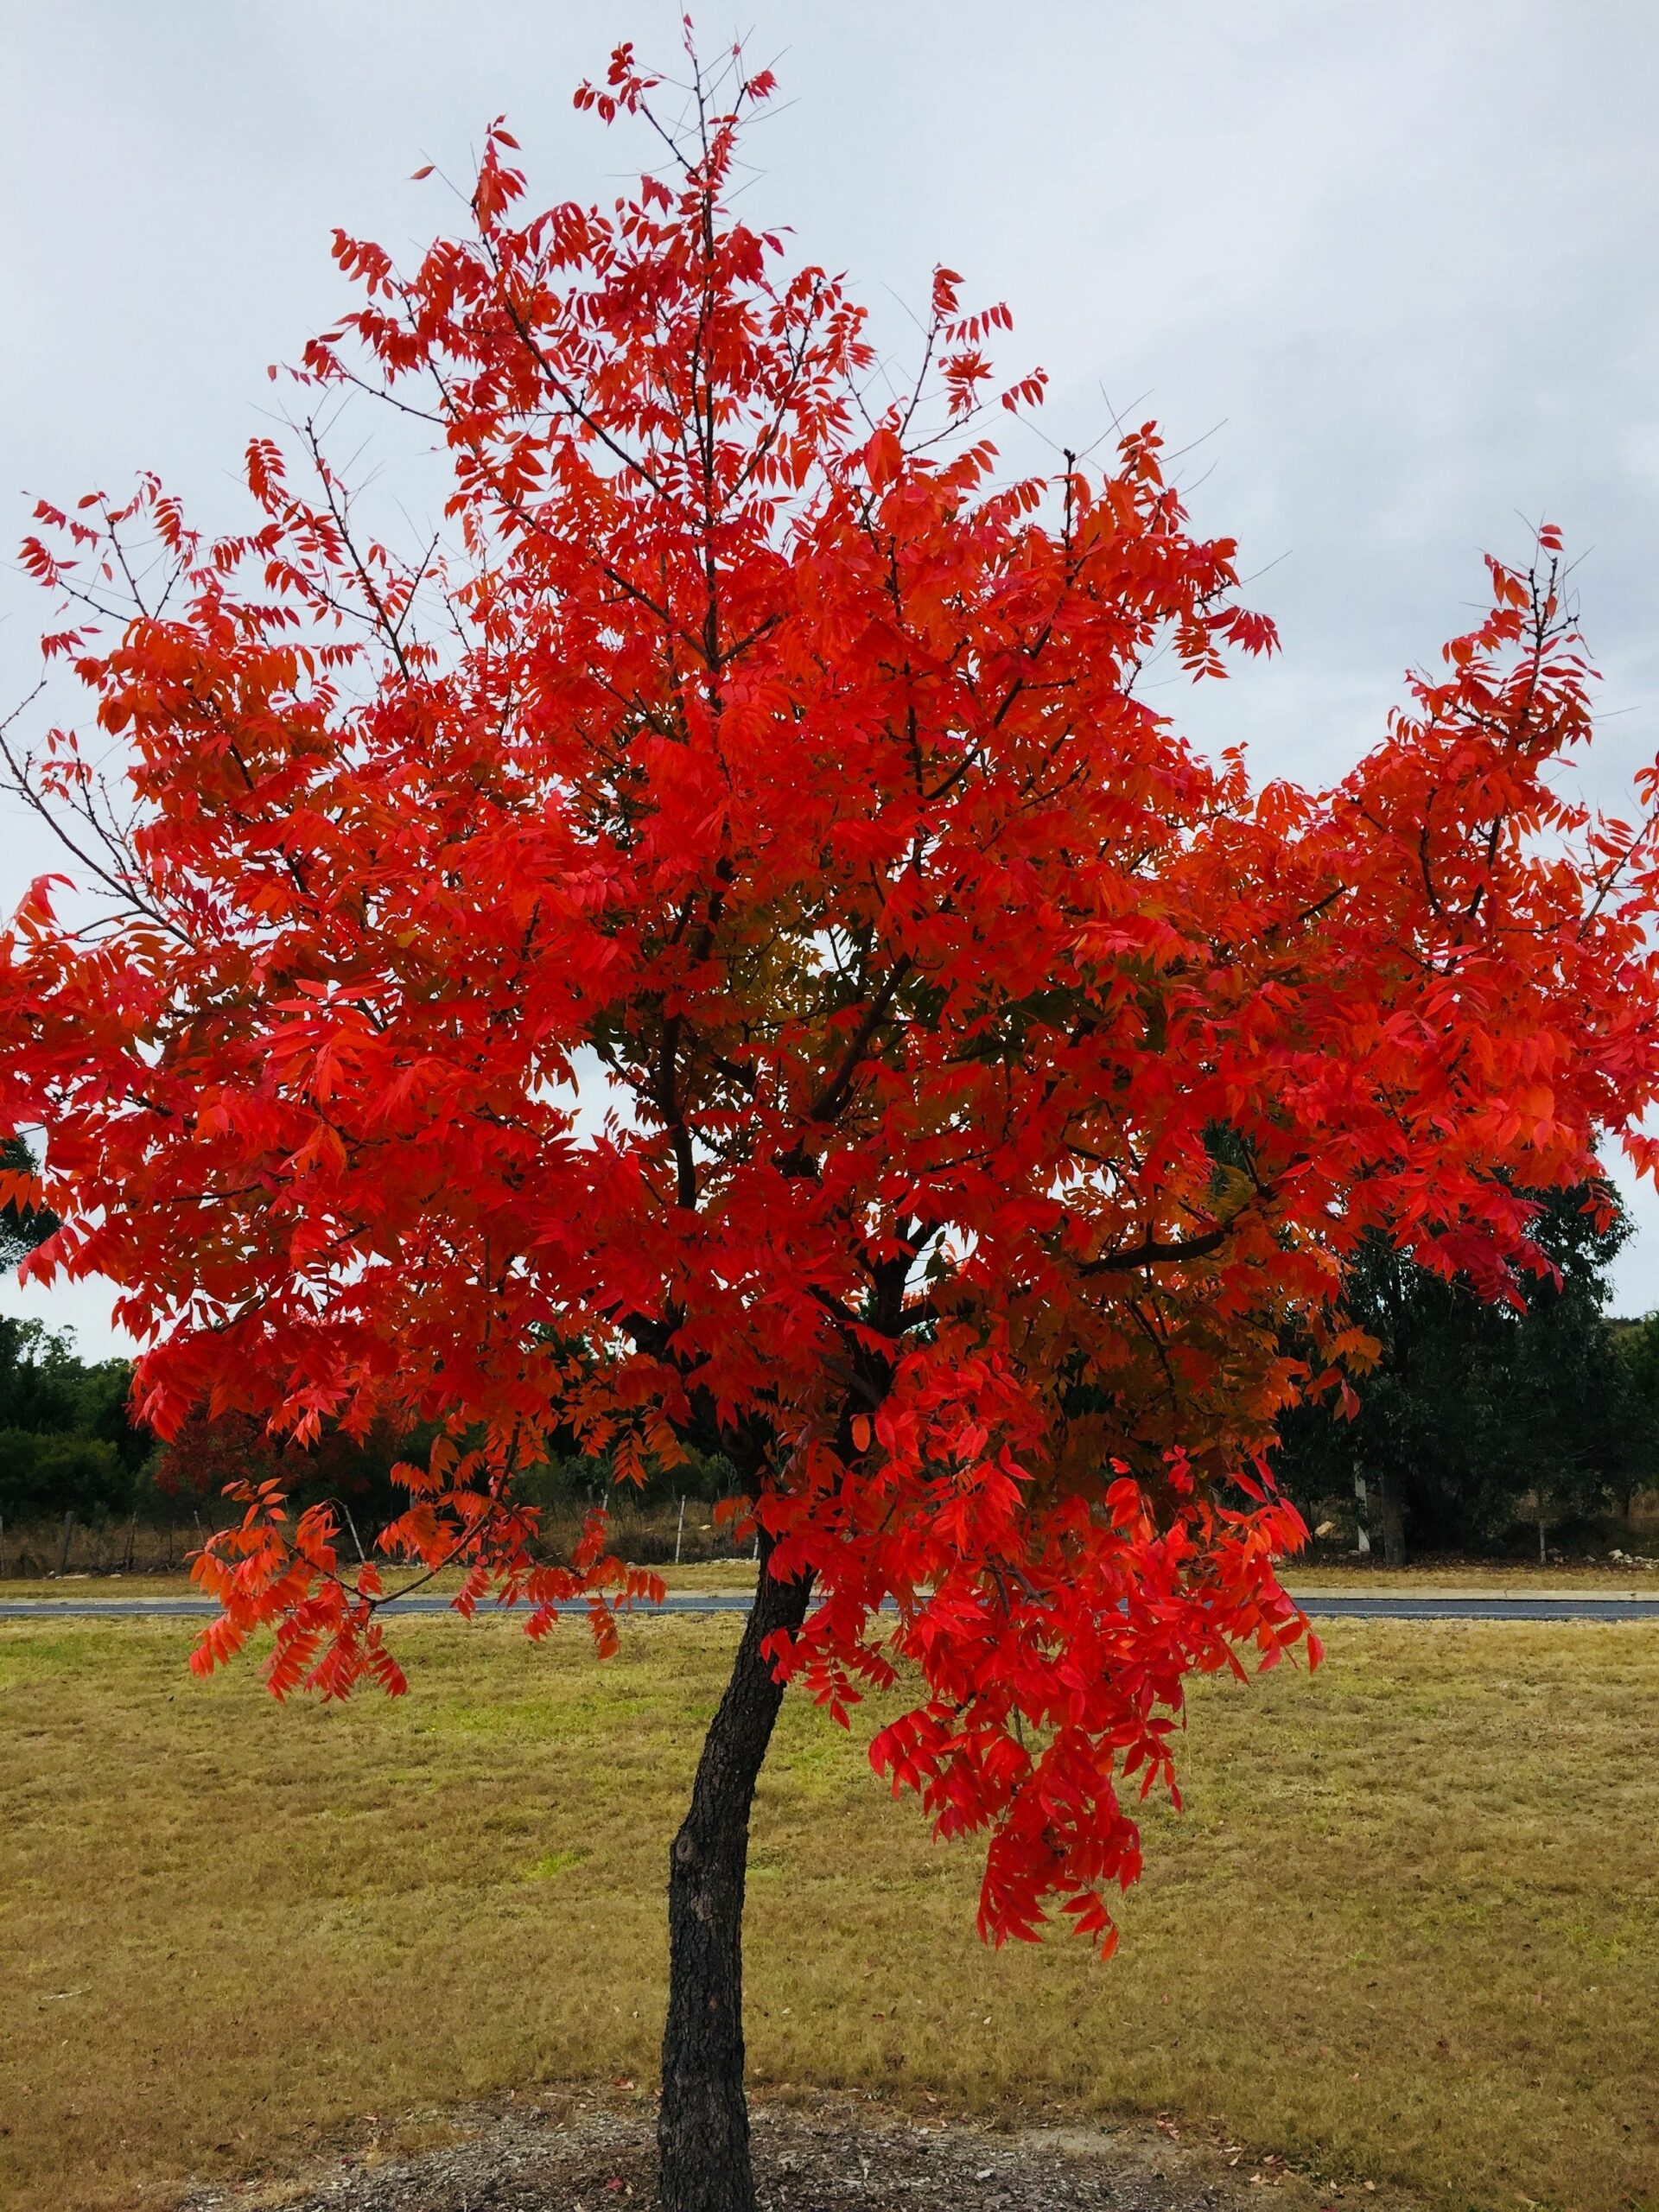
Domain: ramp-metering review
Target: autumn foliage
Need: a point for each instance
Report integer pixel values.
(715, 951)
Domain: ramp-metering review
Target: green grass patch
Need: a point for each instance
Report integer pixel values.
(1407, 1929)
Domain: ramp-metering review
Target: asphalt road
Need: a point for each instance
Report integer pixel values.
(1385, 1607)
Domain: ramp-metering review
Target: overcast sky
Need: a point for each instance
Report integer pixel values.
(1396, 257)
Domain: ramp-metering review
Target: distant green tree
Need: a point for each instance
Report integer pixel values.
(42, 1382)
(21, 1228)
(44, 1476)
(103, 1411)
(1637, 1344)
(1476, 1414)
(66, 1444)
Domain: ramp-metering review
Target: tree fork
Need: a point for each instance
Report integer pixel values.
(702, 2129)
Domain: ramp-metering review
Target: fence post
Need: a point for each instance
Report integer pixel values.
(1362, 1515)
(68, 1531)
(679, 1533)
(2, 1546)
(356, 1539)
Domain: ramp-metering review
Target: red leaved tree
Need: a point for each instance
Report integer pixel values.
(715, 953)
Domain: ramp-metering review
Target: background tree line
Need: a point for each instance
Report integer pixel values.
(1482, 1428)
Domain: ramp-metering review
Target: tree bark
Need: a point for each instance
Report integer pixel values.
(703, 2128)
(1394, 1521)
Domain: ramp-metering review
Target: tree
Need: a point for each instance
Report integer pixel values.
(984, 1081)
(1637, 1345)
(1478, 1411)
(66, 1444)
(39, 1376)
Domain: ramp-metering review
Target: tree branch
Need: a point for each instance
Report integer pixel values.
(1152, 1249)
(830, 1100)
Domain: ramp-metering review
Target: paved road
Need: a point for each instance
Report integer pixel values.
(1385, 1607)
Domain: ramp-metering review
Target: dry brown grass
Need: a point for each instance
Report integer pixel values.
(1407, 1930)
(1481, 1578)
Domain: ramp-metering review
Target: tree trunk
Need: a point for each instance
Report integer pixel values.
(702, 2129)
(1394, 1521)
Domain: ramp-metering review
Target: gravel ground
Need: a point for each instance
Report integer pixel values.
(593, 2152)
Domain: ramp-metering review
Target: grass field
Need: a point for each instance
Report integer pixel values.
(1407, 1930)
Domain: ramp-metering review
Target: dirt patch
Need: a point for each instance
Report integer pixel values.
(591, 2153)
